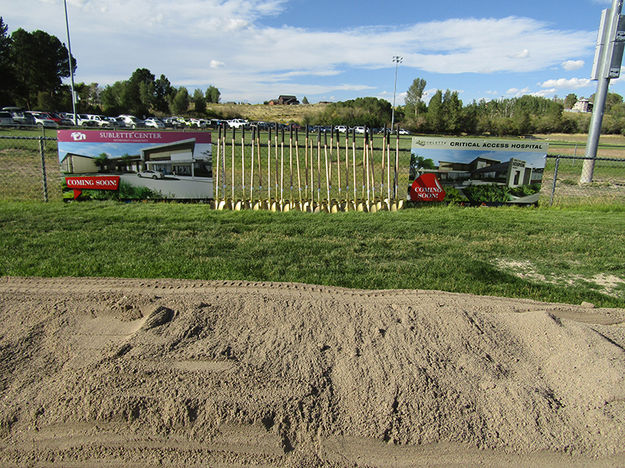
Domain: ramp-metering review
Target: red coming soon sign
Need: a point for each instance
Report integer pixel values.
(427, 188)
(78, 184)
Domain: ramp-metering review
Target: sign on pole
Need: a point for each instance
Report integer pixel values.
(607, 65)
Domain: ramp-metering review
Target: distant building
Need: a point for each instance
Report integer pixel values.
(582, 105)
(284, 100)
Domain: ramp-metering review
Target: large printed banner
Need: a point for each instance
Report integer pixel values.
(154, 165)
(476, 171)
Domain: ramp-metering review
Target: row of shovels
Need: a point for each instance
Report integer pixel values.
(239, 167)
(334, 206)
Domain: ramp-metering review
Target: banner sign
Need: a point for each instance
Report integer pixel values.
(476, 171)
(77, 184)
(426, 187)
(157, 165)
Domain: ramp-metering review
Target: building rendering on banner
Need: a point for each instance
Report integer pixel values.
(478, 169)
(177, 158)
(511, 173)
(73, 163)
(172, 165)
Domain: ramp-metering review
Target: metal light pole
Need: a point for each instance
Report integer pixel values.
(397, 60)
(71, 68)
(607, 65)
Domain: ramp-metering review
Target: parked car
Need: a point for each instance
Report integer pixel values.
(43, 119)
(60, 119)
(131, 121)
(359, 129)
(115, 121)
(177, 122)
(169, 122)
(341, 128)
(98, 120)
(237, 123)
(6, 118)
(153, 122)
(261, 125)
(199, 123)
(150, 174)
(81, 120)
(19, 116)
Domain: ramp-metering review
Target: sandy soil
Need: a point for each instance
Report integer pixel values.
(121, 372)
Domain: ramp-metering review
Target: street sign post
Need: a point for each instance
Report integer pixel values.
(607, 65)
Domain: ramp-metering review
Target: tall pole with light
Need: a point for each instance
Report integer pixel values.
(71, 68)
(397, 60)
(607, 65)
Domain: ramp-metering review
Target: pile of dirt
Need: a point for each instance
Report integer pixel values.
(140, 372)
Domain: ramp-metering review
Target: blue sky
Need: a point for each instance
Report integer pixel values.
(114, 150)
(255, 50)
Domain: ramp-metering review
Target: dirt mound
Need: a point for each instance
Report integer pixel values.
(139, 372)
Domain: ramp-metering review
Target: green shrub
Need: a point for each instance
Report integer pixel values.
(125, 192)
(525, 190)
(453, 195)
(487, 193)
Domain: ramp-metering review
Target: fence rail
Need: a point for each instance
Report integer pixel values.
(561, 181)
(314, 172)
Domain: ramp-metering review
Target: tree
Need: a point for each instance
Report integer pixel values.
(199, 101)
(212, 94)
(452, 110)
(570, 100)
(180, 103)
(112, 99)
(40, 62)
(164, 92)
(414, 95)
(417, 163)
(101, 161)
(435, 115)
(138, 93)
(612, 99)
(6, 71)
(305, 100)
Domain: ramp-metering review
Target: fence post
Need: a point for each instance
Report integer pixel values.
(555, 178)
(43, 170)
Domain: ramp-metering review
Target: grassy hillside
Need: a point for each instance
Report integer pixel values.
(262, 112)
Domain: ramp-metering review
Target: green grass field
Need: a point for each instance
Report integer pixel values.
(562, 255)
(569, 254)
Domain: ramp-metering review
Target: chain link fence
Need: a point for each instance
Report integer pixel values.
(30, 171)
(29, 167)
(561, 185)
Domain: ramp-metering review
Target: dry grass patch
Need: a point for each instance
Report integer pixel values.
(603, 283)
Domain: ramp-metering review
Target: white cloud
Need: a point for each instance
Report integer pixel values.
(517, 92)
(571, 65)
(525, 53)
(223, 42)
(563, 83)
(544, 92)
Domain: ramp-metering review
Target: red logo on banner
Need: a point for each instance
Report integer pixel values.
(427, 188)
(78, 184)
